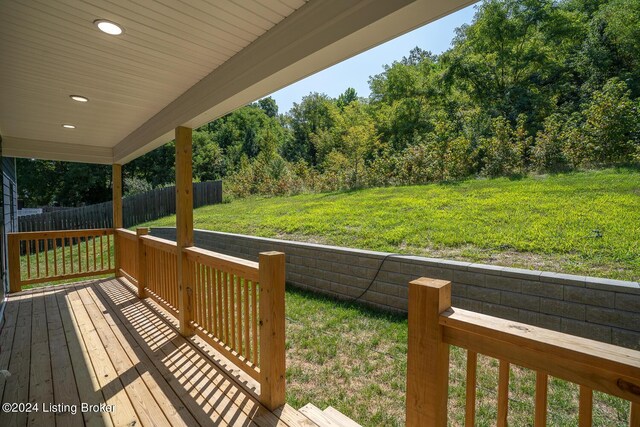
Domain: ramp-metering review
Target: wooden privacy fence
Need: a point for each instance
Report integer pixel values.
(136, 209)
(37, 257)
(434, 325)
(235, 305)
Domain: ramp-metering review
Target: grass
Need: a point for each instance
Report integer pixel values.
(582, 223)
(354, 359)
(36, 264)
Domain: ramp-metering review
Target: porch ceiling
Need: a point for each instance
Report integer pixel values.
(178, 63)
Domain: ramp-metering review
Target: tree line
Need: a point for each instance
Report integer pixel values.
(528, 85)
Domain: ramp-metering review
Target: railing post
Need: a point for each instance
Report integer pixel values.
(142, 262)
(428, 354)
(272, 339)
(14, 263)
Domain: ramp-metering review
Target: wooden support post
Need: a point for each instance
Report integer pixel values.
(184, 226)
(428, 354)
(14, 263)
(116, 178)
(634, 417)
(585, 407)
(272, 325)
(142, 262)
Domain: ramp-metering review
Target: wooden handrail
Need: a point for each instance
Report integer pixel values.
(238, 266)
(127, 234)
(600, 366)
(158, 243)
(33, 235)
(434, 325)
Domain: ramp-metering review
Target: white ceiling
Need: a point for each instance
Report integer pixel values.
(179, 62)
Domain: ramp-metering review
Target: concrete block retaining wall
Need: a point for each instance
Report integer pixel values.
(600, 309)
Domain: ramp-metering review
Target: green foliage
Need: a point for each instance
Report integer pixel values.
(544, 222)
(566, 72)
(134, 185)
(44, 182)
(549, 152)
(503, 151)
(612, 125)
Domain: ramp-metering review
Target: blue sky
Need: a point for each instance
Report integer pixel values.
(355, 72)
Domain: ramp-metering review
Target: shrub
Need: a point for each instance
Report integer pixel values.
(549, 150)
(502, 154)
(611, 125)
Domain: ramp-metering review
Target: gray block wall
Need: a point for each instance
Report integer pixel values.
(601, 309)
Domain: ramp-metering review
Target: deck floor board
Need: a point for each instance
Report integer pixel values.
(95, 342)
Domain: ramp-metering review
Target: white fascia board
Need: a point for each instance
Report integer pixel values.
(52, 150)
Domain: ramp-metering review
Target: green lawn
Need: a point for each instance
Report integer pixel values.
(354, 358)
(63, 261)
(584, 223)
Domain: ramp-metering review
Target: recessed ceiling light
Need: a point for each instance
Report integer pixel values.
(79, 98)
(68, 126)
(108, 27)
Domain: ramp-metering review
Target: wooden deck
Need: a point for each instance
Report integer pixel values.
(96, 343)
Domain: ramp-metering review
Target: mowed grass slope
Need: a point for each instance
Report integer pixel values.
(583, 223)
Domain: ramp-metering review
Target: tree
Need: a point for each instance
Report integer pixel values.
(503, 60)
(306, 119)
(347, 98)
(612, 124)
(269, 106)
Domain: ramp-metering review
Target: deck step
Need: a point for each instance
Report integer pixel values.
(339, 417)
(330, 417)
(316, 415)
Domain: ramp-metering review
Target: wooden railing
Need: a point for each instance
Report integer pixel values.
(127, 250)
(161, 272)
(48, 256)
(434, 325)
(235, 305)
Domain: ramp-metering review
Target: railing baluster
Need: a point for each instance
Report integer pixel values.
(46, 257)
(210, 303)
(37, 242)
(247, 349)
(503, 393)
(102, 253)
(232, 308)
(226, 307)
(86, 252)
(220, 299)
(541, 399)
(71, 254)
(109, 251)
(470, 407)
(198, 301)
(55, 257)
(95, 265)
(79, 256)
(28, 242)
(238, 316)
(585, 410)
(254, 322)
(63, 245)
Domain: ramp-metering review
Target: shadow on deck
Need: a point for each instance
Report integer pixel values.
(95, 343)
